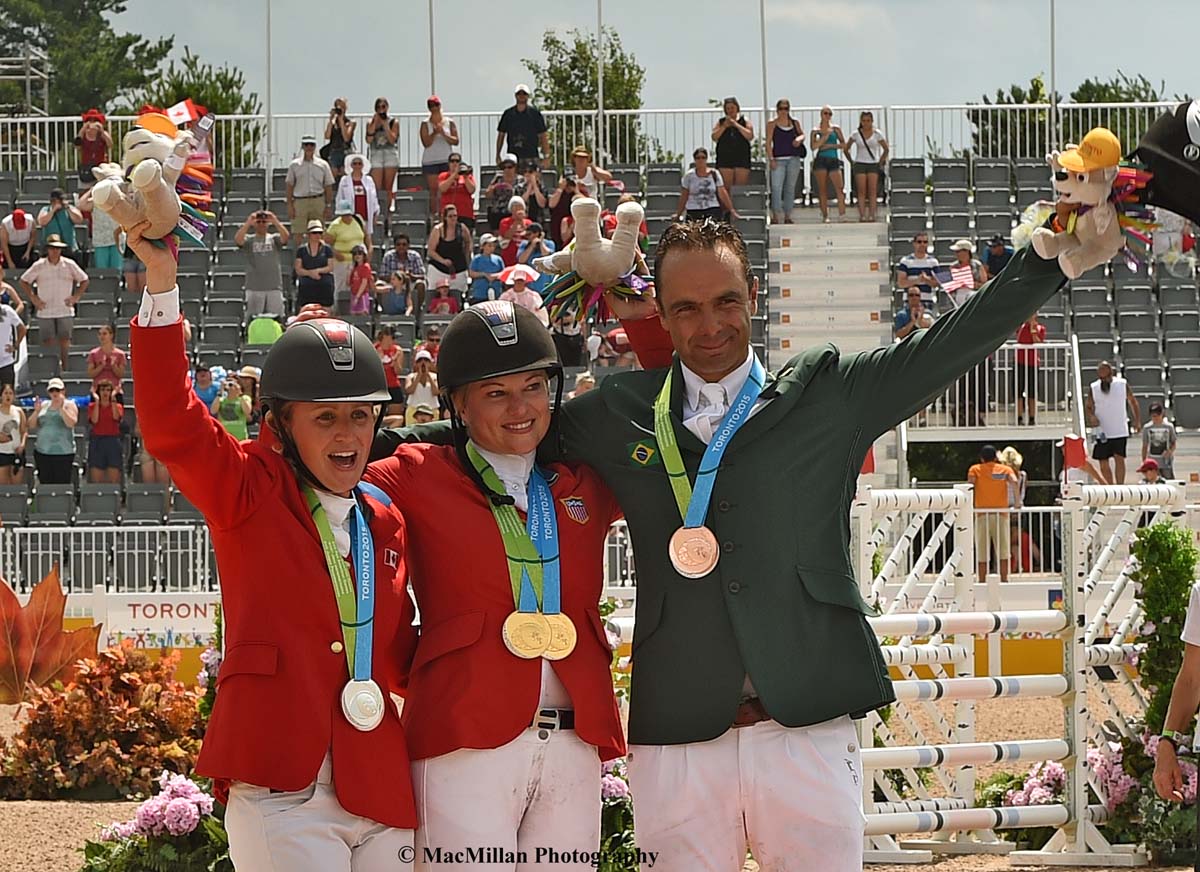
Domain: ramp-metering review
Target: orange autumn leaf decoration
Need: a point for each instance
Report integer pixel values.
(34, 648)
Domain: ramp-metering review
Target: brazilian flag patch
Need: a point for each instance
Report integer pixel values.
(643, 453)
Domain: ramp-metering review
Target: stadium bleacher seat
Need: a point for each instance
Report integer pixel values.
(145, 503)
(993, 173)
(43, 363)
(14, 504)
(1186, 408)
(220, 337)
(247, 180)
(1139, 349)
(904, 227)
(231, 309)
(663, 177)
(181, 510)
(1180, 323)
(1182, 349)
(98, 503)
(1134, 297)
(907, 174)
(1177, 297)
(1093, 298)
(950, 173)
(1092, 350)
(1185, 377)
(1093, 324)
(51, 505)
(907, 202)
(950, 200)
(629, 176)
(988, 224)
(1136, 324)
(93, 310)
(948, 227)
(993, 199)
(228, 284)
(1055, 324)
(193, 259)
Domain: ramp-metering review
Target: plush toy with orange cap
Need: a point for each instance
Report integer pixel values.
(1084, 231)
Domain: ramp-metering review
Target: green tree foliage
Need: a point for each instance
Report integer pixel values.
(1011, 134)
(92, 64)
(567, 79)
(1127, 125)
(222, 90)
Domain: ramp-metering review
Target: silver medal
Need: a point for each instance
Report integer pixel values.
(362, 704)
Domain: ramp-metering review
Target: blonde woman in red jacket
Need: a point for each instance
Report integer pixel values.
(509, 709)
(305, 746)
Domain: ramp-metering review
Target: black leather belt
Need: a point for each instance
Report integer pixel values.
(554, 719)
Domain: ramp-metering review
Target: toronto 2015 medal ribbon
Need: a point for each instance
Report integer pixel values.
(693, 548)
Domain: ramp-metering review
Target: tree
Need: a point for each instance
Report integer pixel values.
(567, 80)
(221, 90)
(92, 64)
(1011, 134)
(1128, 124)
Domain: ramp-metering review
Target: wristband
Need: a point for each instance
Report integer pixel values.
(1177, 740)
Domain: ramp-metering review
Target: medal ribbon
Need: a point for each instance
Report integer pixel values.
(532, 550)
(693, 502)
(356, 604)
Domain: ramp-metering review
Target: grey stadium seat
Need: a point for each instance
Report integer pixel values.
(98, 503)
(1186, 406)
(145, 503)
(52, 505)
(1177, 298)
(993, 173)
(993, 199)
(950, 173)
(907, 202)
(1181, 323)
(1137, 324)
(661, 177)
(1144, 378)
(14, 504)
(1185, 377)
(1089, 298)
(949, 200)
(1093, 324)
(1139, 350)
(182, 510)
(949, 227)
(1183, 349)
(1134, 298)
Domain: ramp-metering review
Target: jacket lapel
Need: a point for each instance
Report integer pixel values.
(783, 390)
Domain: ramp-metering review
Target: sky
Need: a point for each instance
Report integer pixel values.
(880, 52)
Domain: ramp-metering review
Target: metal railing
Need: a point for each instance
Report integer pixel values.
(640, 136)
(987, 395)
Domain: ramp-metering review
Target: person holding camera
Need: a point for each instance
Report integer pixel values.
(456, 187)
(536, 201)
(524, 128)
(560, 205)
(535, 245)
(92, 143)
(733, 135)
(589, 178)
(54, 418)
(339, 137)
(505, 185)
(264, 277)
(357, 187)
(382, 150)
(104, 442)
(59, 219)
(232, 408)
(439, 135)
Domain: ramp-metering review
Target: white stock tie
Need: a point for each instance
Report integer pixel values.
(711, 407)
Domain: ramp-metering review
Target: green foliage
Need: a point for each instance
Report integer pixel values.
(1015, 135)
(1166, 570)
(1121, 88)
(222, 90)
(205, 849)
(107, 734)
(1127, 126)
(991, 794)
(92, 64)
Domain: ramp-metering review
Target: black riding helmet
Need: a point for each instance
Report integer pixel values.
(491, 339)
(324, 360)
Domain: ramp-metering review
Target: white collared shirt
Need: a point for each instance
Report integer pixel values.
(337, 510)
(705, 404)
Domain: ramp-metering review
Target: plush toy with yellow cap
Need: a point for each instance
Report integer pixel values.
(142, 187)
(1084, 230)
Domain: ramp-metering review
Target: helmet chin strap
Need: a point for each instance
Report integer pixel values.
(291, 451)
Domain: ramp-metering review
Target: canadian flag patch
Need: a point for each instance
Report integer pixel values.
(391, 558)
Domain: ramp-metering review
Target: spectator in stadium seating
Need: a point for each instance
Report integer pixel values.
(392, 356)
(56, 278)
(59, 219)
(13, 430)
(1105, 409)
(914, 315)
(916, 270)
(566, 231)
(104, 441)
(421, 385)
(442, 303)
(1158, 441)
(424, 413)
(535, 245)
(703, 194)
(153, 470)
(504, 185)
(107, 362)
(785, 157)
(991, 480)
(733, 135)
(524, 128)
(567, 332)
(203, 386)
(998, 255)
(512, 230)
(584, 382)
(1025, 380)
(484, 271)
(456, 187)
(431, 343)
(343, 234)
(381, 135)
(232, 408)
(106, 233)
(449, 251)
(18, 240)
(536, 201)
(828, 142)
(248, 377)
(264, 275)
(1151, 472)
(866, 164)
(519, 293)
(12, 332)
(309, 185)
(133, 268)
(1012, 458)
(964, 255)
(404, 272)
(608, 222)
(589, 178)
(358, 188)
(439, 135)
(314, 267)
(362, 283)
(9, 296)
(54, 418)
(92, 145)
(339, 136)
(617, 348)
(560, 207)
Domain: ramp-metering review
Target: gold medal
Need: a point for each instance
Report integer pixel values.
(562, 636)
(527, 634)
(693, 551)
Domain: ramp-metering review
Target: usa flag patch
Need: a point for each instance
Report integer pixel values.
(576, 509)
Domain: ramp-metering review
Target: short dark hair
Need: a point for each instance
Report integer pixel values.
(921, 233)
(987, 453)
(400, 236)
(706, 235)
(1156, 408)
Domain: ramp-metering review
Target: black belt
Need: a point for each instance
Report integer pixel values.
(554, 719)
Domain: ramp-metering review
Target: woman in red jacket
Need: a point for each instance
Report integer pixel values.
(509, 708)
(304, 743)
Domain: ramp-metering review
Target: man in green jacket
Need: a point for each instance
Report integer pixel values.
(747, 674)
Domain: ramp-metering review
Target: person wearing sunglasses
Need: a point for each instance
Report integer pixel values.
(785, 154)
(828, 142)
(382, 150)
(456, 187)
(733, 135)
(439, 135)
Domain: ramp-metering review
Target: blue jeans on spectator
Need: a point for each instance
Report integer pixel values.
(783, 184)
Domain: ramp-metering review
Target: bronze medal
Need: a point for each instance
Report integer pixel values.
(693, 551)
(527, 634)
(562, 636)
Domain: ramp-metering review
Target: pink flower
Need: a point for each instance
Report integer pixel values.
(1016, 797)
(1040, 796)
(1148, 628)
(181, 816)
(612, 787)
(614, 639)
(149, 816)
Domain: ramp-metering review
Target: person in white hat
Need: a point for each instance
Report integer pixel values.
(309, 186)
(525, 129)
(54, 418)
(421, 385)
(343, 234)
(962, 290)
(358, 188)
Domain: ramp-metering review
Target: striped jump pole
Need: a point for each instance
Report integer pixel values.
(976, 623)
(925, 756)
(916, 690)
(1003, 818)
(925, 655)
